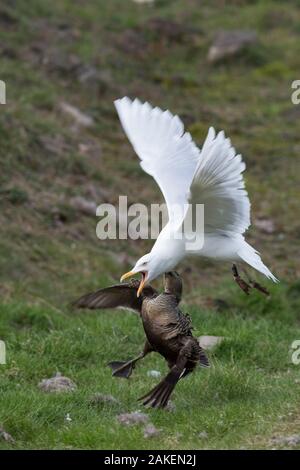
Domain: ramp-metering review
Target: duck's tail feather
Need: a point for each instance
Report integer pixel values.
(203, 359)
(159, 396)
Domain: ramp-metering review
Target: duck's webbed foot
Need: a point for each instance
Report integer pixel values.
(159, 396)
(241, 283)
(124, 368)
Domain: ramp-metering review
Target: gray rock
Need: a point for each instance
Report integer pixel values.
(80, 118)
(129, 419)
(154, 373)
(230, 43)
(171, 407)
(149, 2)
(83, 205)
(6, 436)
(101, 398)
(290, 441)
(209, 342)
(265, 225)
(151, 431)
(58, 383)
(203, 435)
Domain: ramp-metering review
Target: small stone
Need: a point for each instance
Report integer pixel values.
(151, 431)
(203, 435)
(100, 398)
(58, 383)
(171, 407)
(154, 373)
(86, 206)
(6, 436)
(129, 419)
(265, 225)
(78, 116)
(290, 441)
(149, 2)
(230, 43)
(209, 342)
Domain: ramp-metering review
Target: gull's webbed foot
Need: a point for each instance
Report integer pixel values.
(241, 283)
(257, 286)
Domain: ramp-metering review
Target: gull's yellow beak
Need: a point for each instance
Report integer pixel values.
(126, 275)
(142, 283)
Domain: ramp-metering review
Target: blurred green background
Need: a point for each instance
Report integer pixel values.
(63, 152)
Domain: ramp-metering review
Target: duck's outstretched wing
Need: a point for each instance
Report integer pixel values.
(118, 296)
(166, 152)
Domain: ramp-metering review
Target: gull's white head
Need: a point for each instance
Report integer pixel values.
(150, 267)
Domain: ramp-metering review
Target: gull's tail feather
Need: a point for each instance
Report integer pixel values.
(248, 254)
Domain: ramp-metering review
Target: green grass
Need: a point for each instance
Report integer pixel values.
(249, 390)
(49, 253)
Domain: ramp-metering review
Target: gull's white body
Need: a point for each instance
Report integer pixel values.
(186, 175)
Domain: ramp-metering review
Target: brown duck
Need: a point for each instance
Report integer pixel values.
(168, 331)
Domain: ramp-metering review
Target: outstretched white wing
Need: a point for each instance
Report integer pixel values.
(167, 152)
(218, 184)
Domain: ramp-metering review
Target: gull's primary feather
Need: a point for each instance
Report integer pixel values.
(167, 153)
(218, 184)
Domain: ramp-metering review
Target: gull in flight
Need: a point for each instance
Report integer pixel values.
(188, 176)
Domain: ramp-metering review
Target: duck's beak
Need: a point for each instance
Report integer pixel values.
(126, 275)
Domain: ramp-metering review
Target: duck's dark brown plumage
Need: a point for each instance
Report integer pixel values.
(168, 331)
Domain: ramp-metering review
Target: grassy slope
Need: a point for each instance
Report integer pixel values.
(49, 253)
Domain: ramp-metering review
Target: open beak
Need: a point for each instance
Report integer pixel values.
(142, 283)
(126, 275)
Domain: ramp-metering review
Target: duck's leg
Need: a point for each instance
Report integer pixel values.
(124, 368)
(159, 396)
(243, 284)
(255, 284)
